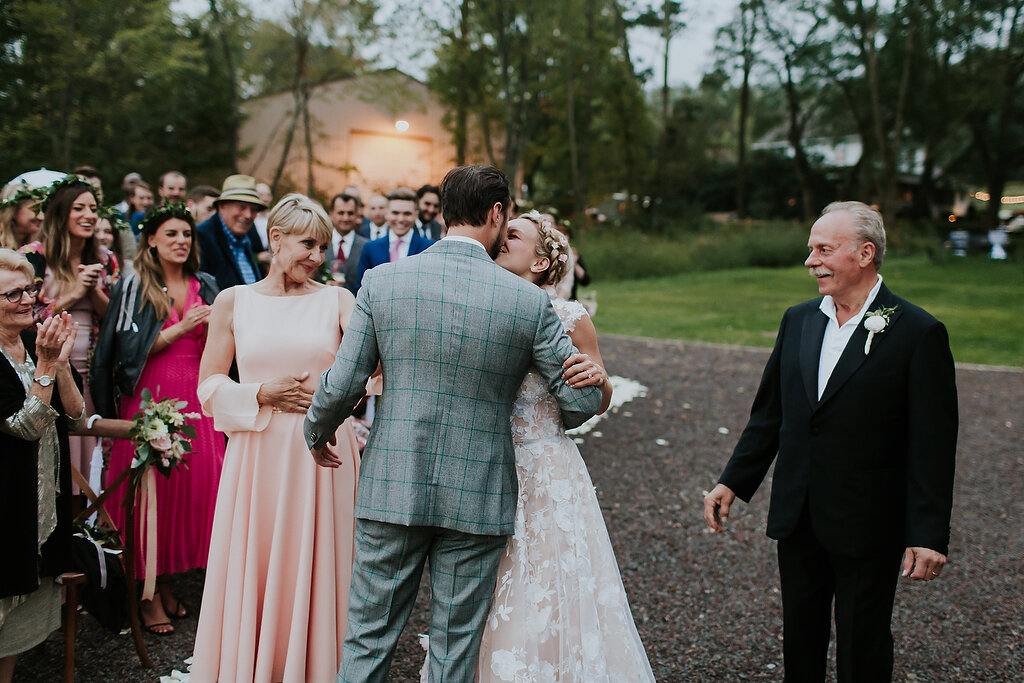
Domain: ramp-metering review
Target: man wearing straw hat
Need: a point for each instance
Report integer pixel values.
(228, 243)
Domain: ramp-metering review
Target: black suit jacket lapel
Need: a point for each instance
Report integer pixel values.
(225, 248)
(811, 336)
(853, 355)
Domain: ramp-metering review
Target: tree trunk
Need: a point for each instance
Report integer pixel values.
(229, 63)
(310, 186)
(584, 139)
(301, 52)
(795, 133)
(461, 103)
(666, 34)
(748, 29)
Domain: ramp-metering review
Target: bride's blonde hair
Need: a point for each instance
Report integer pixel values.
(552, 245)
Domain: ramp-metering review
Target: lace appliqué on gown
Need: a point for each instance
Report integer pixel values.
(559, 611)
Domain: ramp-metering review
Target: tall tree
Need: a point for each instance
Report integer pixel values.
(558, 79)
(792, 50)
(332, 22)
(741, 41)
(133, 87)
(995, 66)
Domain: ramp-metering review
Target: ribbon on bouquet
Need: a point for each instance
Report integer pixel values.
(147, 496)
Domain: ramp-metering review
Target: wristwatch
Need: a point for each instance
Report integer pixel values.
(44, 380)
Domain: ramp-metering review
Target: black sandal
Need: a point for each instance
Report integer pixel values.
(150, 628)
(180, 610)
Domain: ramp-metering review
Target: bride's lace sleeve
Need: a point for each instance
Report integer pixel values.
(233, 406)
(569, 312)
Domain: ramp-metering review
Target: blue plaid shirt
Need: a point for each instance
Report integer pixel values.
(243, 255)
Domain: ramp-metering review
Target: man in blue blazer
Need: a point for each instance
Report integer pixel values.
(228, 242)
(401, 240)
(858, 409)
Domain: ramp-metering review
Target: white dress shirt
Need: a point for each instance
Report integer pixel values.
(378, 231)
(260, 223)
(345, 242)
(836, 337)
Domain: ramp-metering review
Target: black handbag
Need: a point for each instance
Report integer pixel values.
(104, 595)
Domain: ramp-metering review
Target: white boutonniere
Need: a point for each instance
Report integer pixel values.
(875, 322)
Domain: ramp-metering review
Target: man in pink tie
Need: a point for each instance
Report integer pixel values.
(401, 240)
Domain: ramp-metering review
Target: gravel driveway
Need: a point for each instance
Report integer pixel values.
(707, 606)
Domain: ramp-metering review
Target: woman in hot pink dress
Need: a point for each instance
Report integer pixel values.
(275, 601)
(153, 338)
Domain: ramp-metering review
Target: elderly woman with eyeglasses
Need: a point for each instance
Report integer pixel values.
(39, 402)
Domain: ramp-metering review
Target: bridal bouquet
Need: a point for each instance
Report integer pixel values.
(160, 435)
(161, 440)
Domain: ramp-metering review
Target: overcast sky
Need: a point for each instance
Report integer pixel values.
(690, 56)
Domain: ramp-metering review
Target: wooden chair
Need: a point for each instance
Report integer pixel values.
(117, 429)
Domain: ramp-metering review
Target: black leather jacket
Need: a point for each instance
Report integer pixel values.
(128, 332)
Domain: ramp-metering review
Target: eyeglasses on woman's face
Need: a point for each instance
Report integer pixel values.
(14, 296)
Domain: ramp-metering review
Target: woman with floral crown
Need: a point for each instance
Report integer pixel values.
(153, 338)
(77, 275)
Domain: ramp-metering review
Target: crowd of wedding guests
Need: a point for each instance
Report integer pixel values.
(101, 302)
(268, 320)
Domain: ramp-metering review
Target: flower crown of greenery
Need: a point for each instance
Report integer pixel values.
(172, 209)
(67, 181)
(36, 194)
(116, 218)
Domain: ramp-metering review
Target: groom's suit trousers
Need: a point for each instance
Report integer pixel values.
(389, 560)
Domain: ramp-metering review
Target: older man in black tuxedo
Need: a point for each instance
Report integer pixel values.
(858, 402)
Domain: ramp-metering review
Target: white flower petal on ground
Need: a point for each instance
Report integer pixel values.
(624, 390)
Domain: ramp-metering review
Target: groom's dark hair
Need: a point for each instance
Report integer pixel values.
(469, 192)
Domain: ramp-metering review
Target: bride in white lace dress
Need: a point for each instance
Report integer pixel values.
(559, 611)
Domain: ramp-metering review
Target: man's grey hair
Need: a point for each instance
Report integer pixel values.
(867, 222)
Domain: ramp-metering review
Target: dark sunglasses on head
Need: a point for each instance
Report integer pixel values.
(14, 296)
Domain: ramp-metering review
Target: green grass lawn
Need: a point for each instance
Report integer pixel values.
(980, 301)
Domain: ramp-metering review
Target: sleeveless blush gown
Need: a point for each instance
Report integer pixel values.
(276, 595)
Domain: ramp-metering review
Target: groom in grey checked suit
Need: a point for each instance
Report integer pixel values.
(454, 334)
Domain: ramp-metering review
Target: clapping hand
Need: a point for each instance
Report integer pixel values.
(89, 276)
(55, 337)
(582, 371)
(195, 316)
(286, 394)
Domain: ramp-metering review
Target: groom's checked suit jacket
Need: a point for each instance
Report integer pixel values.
(455, 334)
(874, 458)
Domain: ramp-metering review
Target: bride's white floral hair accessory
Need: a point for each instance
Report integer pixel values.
(551, 244)
(875, 322)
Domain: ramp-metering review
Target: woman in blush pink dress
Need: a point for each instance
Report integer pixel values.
(153, 338)
(276, 595)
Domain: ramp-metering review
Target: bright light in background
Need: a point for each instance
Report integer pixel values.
(401, 126)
